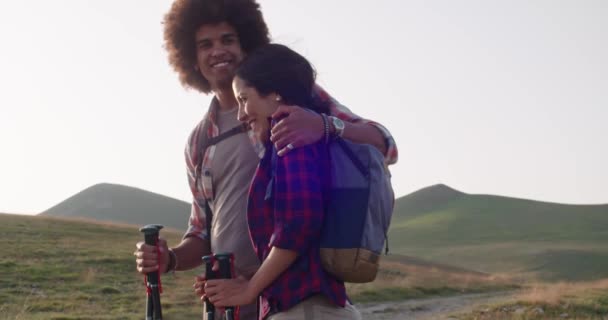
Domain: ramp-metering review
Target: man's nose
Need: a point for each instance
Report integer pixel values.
(218, 50)
(217, 53)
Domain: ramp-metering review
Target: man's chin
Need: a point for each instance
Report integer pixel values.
(224, 83)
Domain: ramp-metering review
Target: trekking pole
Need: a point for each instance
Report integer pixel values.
(226, 263)
(153, 307)
(209, 274)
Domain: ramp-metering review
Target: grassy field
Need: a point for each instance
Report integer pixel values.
(53, 268)
(585, 300)
(60, 269)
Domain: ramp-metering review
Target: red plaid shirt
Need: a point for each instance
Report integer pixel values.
(202, 192)
(291, 218)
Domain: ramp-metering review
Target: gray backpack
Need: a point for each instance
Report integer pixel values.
(359, 205)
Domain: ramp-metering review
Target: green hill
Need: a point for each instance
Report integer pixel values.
(424, 200)
(500, 234)
(486, 233)
(117, 203)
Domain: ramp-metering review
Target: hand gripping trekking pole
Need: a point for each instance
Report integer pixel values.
(209, 274)
(226, 262)
(153, 307)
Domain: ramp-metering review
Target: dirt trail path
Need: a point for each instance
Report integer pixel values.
(432, 308)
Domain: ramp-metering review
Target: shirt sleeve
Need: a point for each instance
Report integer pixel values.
(298, 207)
(197, 223)
(337, 109)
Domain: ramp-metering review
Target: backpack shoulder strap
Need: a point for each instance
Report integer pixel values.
(273, 173)
(243, 127)
(205, 142)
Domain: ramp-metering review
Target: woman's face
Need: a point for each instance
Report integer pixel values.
(254, 108)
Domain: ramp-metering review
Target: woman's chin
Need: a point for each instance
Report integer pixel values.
(262, 131)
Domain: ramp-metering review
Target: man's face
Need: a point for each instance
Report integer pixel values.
(218, 53)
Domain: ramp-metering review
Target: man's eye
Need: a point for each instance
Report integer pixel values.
(228, 40)
(204, 45)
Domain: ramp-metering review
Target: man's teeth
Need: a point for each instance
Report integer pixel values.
(221, 64)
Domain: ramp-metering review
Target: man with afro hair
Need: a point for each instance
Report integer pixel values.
(206, 40)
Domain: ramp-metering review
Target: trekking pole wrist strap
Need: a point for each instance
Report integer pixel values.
(172, 266)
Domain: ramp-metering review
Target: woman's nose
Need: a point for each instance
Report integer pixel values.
(241, 115)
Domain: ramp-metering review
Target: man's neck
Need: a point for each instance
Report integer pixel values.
(226, 99)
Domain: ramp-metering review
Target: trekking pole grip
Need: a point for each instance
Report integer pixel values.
(226, 261)
(153, 306)
(209, 274)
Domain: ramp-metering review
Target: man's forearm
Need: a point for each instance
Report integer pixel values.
(365, 133)
(189, 252)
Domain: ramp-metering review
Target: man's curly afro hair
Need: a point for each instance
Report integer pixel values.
(186, 16)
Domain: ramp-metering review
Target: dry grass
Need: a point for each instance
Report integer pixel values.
(100, 223)
(543, 301)
(423, 280)
(555, 293)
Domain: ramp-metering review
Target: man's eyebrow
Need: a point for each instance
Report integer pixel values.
(199, 41)
(225, 35)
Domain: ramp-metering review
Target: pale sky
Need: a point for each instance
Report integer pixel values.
(496, 97)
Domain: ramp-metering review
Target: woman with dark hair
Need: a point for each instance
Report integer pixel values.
(284, 224)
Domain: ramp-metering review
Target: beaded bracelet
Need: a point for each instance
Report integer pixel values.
(325, 127)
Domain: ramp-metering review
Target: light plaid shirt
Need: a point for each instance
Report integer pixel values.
(201, 191)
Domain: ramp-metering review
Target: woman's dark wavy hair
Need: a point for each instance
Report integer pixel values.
(186, 16)
(274, 68)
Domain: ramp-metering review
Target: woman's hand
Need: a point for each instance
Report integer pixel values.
(229, 292)
(199, 285)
